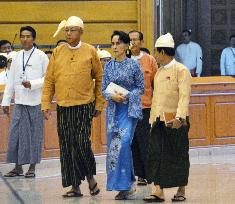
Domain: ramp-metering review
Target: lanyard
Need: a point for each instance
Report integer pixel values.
(24, 65)
(232, 52)
(6, 72)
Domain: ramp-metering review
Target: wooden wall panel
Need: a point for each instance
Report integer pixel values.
(4, 125)
(93, 34)
(51, 140)
(225, 117)
(199, 111)
(96, 135)
(55, 11)
(103, 142)
(212, 118)
(198, 121)
(100, 18)
(146, 22)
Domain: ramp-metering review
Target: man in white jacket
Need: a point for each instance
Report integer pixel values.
(190, 54)
(25, 80)
(227, 60)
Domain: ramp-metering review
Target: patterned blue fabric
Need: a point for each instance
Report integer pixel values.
(121, 120)
(129, 75)
(119, 164)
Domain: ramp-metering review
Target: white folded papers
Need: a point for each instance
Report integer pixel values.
(113, 88)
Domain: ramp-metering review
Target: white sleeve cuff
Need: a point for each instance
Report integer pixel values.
(6, 101)
(36, 83)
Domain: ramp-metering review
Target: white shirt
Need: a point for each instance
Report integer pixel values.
(190, 55)
(3, 77)
(227, 61)
(34, 72)
(76, 47)
(138, 57)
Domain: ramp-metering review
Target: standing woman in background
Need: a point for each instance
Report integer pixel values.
(123, 112)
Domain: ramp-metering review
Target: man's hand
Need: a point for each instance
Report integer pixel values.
(175, 123)
(96, 113)
(6, 110)
(46, 114)
(26, 84)
(118, 97)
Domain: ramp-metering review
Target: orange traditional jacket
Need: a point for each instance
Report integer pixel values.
(70, 75)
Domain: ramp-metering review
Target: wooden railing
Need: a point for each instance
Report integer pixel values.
(212, 118)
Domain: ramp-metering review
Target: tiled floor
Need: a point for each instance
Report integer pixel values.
(212, 181)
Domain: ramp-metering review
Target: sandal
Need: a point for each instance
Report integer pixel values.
(178, 198)
(14, 173)
(121, 196)
(72, 193)
(94, 190)
(130, 195)
(141, 182)
(153, 198)
(30, 174)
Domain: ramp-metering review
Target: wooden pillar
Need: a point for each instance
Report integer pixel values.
(146, 21)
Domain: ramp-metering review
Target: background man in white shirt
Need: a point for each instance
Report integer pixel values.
(190, 54)
(227, 60)
(5, 46)
(4, 74)
(26, 78)
(3, 64)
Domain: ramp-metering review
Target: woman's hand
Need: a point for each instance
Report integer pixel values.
(118, 97)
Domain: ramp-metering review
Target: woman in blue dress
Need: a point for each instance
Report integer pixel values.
(122, 114)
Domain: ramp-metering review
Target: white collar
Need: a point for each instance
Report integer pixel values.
(5, 72)
(138, 57)
(170, 64)
(76, 47)
(187, 44)
(28, 51)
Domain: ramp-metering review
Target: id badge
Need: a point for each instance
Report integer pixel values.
(23, 77)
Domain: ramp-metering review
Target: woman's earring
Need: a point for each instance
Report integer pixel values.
(128, 53)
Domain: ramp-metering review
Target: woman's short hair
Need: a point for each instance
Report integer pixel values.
(123, 37)
(168, 50)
